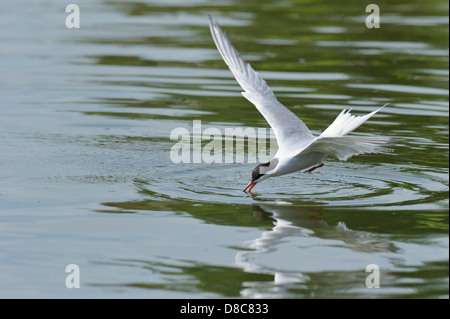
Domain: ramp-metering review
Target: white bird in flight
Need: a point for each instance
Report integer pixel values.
(297, 147)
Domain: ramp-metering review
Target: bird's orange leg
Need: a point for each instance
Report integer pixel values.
(313, 168)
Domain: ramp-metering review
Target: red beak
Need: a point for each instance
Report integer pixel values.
(250, 186)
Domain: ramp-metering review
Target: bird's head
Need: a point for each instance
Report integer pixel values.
(261, 172)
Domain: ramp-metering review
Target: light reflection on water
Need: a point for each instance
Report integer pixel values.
(86, 175)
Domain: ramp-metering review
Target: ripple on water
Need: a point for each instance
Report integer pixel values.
(336, 184)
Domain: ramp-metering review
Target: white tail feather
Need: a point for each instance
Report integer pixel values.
(345, 123)
(333, 141)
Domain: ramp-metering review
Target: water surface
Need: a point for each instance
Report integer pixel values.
(86, 176)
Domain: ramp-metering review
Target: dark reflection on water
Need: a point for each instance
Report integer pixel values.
(307, 252)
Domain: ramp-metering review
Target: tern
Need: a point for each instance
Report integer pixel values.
(298, 148)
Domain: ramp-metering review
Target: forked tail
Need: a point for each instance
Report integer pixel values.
(333, 141)
(345, 123)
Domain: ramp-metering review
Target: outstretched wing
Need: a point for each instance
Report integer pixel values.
(344, 147)
(288, 128)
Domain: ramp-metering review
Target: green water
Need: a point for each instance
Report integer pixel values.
(86, 176)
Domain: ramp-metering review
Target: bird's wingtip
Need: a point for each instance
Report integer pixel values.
(212, 21)
(382, 107)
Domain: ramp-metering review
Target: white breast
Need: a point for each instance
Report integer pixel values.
(292, 164)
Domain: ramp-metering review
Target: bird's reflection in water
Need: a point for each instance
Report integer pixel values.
(288, 249)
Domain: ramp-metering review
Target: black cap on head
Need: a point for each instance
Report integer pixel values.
(261, 169)
(255, 174)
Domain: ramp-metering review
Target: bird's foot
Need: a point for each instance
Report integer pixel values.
(313, 168)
